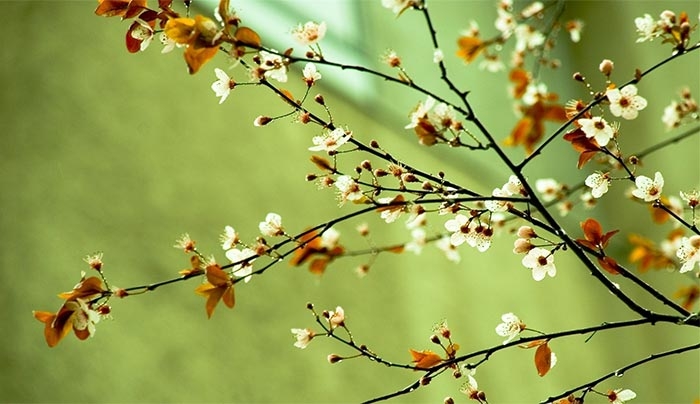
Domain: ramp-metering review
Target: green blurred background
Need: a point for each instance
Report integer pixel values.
(107, 151)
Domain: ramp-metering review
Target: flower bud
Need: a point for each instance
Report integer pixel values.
(333, 358)
(606, 67)
(579, 77)
(526, 232)
(319, 99)
(262, 120)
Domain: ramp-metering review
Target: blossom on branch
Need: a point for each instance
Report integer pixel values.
(272, 226)
(541, 262)
(303, 336)
(689, 252)
(223, 86)
(625, 102)
(621, 396)
(598, 129)
(647, 189)
(218, 286)
(309, 33)
(331, 140)
(510, 327)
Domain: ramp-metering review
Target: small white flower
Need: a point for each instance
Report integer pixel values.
(549, 188)
(329, 238)
(229, 238)
(480, 238)
(689, 253)
(451, 252)
(510, 327)
(311, 75)
(498, 205)
(459, 226)
(272, 226)
(309, 33)
(505, 22)
(418, 241)
(598, 182)
(647, 189)
(647, 28)
(625, 102)
(399, 6)
(223, 86)
(620, 396)
(349, 190)
(492, 64)
(330, 141)
(303, 336)
(527, 38)
(541, 262)
(671, 117)
(438, 56)
(420, 112)
(142, 32)
(575, 27)
(243, 270)
(274, 66)
(513, 186)
(598, 129)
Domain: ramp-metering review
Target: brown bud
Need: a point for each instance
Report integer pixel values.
(425, 380)
(366, 165)
(409, 178)
(311, 177)
(319, 99)
(262, 120)
(448, 400)
(427, 186)
(333, 358)
(374, 144)
(309, 306)
(434, 339)
(579, 77)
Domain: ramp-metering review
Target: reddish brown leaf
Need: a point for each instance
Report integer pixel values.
(543, 359)
(609, 264)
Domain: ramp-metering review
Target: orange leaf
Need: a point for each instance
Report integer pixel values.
(318, 266)
(196, 56)
(56, 326)
(180, 30)
(520, 78)
(469, 48)
(248, 37)
(87, 288)
(213, 295)
(229, 297)
(425, 359)
(543, 359)
(322, 163)
(216, 276)
(609, 264)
